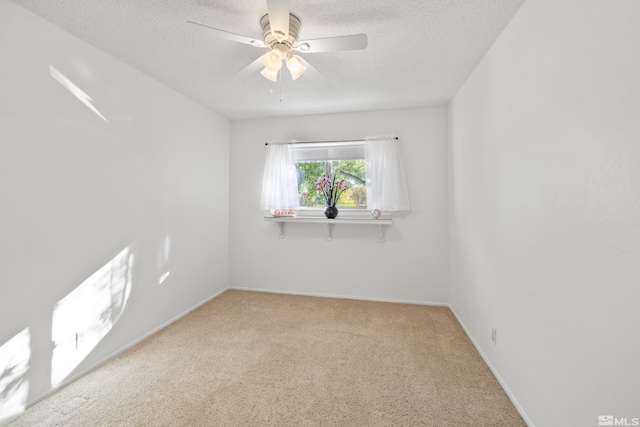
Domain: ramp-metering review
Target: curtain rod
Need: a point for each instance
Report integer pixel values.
(325, 142)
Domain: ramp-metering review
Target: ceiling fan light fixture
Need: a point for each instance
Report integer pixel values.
(270, 75)
(295, 66)
(273, 60)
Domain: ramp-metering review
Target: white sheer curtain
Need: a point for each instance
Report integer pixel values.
(279, 182)
(387, 188)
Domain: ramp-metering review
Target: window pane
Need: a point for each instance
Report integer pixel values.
(308, 174)
(351, 171)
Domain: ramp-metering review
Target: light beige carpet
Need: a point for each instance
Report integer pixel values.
(259, 359)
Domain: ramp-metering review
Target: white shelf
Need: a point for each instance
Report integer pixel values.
(330, 223)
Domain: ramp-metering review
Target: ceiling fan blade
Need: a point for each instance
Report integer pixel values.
(251, 68)
(226, 35)
(331, 44)
(311, 73)
(279, 18)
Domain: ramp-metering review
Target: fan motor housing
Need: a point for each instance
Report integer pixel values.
(272, 41)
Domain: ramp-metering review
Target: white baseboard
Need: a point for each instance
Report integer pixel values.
(315, 294)
(502, 383)
(121, 350)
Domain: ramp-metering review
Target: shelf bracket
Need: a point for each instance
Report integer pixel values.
(281, 227)
(329, 235)
(381, 234)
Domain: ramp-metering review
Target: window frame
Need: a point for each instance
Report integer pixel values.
(313, 154)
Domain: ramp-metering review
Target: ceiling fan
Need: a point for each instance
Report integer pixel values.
(280, 31)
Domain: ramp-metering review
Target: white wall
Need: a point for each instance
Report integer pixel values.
(76, 190)
(545, 209)
(410, 266)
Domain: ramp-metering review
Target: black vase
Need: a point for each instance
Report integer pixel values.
(331, 212)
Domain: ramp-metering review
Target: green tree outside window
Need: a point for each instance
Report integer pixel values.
(352, 171)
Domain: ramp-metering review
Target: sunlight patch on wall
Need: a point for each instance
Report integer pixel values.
(83, 317)
(14, 364)
(75, 90)
(163, 259)
(163, 277)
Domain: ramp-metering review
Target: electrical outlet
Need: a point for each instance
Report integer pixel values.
(494, 335)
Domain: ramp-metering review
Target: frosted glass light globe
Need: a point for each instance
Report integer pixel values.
(272, 60)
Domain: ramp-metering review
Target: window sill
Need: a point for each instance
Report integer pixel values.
(330, 223)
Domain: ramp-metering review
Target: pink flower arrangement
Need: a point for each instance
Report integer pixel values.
(331, 189)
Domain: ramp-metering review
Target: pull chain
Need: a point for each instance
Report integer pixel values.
(281, 82)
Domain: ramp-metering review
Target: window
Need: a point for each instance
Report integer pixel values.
(344, 159)
(373, 168)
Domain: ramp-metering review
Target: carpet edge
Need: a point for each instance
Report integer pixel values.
(337, 296)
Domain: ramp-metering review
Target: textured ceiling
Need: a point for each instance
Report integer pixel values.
(420, 51)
